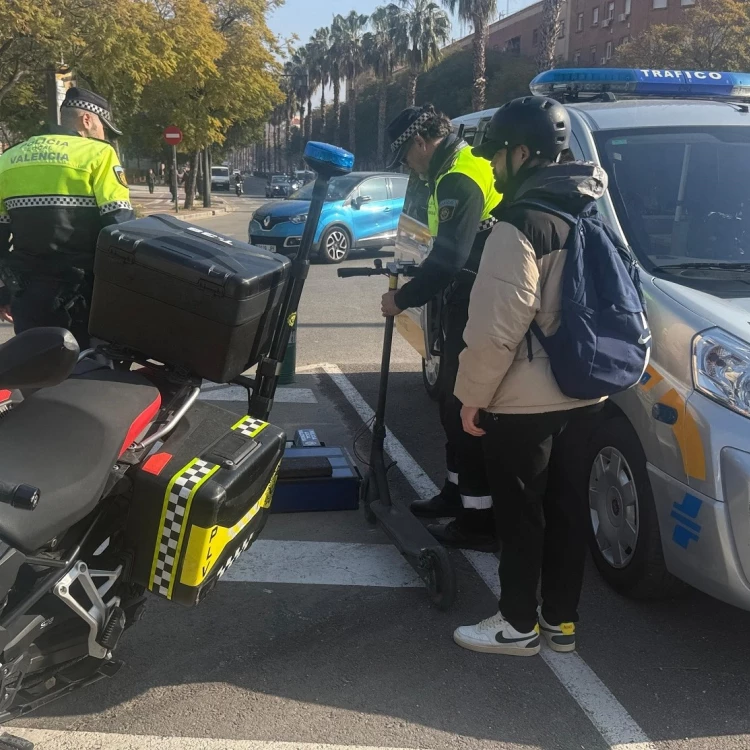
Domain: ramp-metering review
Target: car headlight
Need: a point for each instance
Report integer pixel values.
(721, 369)
(299, 219)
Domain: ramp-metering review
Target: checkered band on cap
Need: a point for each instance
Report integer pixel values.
(411, 130)
(65, 201)
(81, 104)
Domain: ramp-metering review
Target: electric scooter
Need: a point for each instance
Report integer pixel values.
(423, 552)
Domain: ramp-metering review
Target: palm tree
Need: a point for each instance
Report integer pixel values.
(302, 84)
(549, 33)
(290, 105)
(385, 48)
(478, 13)
(320, 43)
(429, 28)
(351, 30)
(336, 73)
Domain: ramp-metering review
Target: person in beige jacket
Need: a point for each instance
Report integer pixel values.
(505, 382)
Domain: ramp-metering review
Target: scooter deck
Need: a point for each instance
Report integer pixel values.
(405, 530)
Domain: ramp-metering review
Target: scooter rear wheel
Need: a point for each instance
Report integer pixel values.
(439, 577)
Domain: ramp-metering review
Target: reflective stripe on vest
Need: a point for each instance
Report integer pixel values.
(478, 170)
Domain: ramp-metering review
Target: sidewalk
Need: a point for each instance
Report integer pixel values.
(161, 201)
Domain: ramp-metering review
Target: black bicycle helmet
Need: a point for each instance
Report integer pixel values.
(540, 123)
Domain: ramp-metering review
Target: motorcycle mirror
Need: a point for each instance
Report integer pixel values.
(38, 358)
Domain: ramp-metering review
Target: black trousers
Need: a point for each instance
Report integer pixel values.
(48, 302)
(539, 512)
(463, 453)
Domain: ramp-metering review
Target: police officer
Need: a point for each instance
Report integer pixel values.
(57, 191)
(462, 196)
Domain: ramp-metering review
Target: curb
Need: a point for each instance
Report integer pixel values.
(197, 214)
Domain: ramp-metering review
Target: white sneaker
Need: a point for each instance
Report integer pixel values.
(561, 638)
(496, 635)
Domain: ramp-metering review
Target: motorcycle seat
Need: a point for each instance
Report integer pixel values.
(65, 440)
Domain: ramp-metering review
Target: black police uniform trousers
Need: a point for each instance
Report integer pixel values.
(49, 302)
(540, 511)
(463, 453)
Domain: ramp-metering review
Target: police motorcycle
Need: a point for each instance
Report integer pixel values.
(116, 481)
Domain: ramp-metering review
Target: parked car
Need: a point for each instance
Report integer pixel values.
(665, 467)
(362, 209)
(219, 178)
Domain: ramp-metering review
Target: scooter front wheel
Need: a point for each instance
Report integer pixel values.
(364, 492)
(436, 570)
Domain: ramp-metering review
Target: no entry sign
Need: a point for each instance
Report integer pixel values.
(172, 135)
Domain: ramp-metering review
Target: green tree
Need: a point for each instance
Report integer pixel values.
(350, 30)
(479, 13)
(304, 96)
(714, 36)
(320, 47)
(336, 73)
(428, 28)
(385, 48)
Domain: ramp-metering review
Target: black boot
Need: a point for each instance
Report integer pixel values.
(461, 536)
(446, 504)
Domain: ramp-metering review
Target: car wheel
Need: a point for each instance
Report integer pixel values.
(335, 245)
(431, 377)
(624, 527)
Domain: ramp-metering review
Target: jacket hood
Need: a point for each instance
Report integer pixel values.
(571, 186)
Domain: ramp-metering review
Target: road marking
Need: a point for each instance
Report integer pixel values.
(49, 739)
(325, 564)
(618, 728)
(218, 392)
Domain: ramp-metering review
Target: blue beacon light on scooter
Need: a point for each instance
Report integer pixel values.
(683, 84)
(328, 161)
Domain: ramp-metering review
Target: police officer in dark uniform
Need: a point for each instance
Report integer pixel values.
(57, 191)
(461, 197)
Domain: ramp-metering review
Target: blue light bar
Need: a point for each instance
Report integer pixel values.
(698, 84)
(324, 155)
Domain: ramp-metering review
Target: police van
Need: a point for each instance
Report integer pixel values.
(666, 468)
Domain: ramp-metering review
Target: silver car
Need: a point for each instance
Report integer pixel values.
(666, 469)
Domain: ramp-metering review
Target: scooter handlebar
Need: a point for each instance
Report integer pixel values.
(346, 272)
(22, 496)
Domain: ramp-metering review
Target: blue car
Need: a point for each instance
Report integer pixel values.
(362, 209)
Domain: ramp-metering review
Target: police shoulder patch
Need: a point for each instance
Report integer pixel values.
(120, 175)
(446, 209)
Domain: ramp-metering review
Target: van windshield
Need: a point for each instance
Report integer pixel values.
(219, 171)
(682, 195)
(338, 189)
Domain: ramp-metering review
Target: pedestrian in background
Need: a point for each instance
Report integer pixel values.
(151, 180)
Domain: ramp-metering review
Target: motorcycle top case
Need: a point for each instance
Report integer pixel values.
(185, 296)
(199, 501)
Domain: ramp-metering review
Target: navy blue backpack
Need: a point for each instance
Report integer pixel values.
(603, 343)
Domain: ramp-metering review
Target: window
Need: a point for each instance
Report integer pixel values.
(535, 37)
(660, 4)
(610, 10)
(595, 16)
(561, 35)
(375, 189)
(579, 22)
(593, 55)
(513, 45)
(577, 57)
(687, 2)
(627, 7)
(398, 187)
(608, 52)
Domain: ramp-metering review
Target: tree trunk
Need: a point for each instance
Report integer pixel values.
(479, 87)
(302, 127)
(288, 138)
(549, 31)
(411, 91)
(308, 119)
(351, 98)
(323, 113)
(190, 182)
(269, 154)
(336, 111)
(382, 102)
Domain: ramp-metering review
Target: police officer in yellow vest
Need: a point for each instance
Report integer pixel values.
(57, 191)
(462, 197)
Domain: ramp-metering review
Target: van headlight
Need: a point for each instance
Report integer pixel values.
(721, 369)
(299, 219)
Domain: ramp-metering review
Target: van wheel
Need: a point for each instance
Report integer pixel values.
(431, 377)
(625, 540)
(335, 245)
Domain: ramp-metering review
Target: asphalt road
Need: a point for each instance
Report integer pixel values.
(323, 639)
